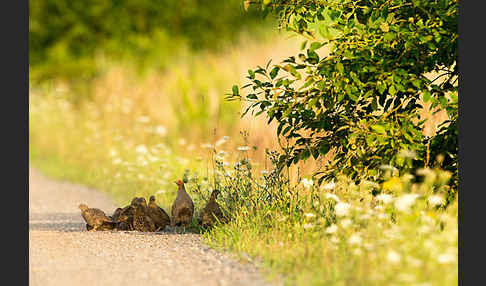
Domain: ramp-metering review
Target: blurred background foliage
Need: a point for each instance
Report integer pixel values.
(68, 39)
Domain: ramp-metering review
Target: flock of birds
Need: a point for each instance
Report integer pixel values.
(140, 216)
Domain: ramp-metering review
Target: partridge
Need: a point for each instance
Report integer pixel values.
(182, 208)
(125, 219)
(116, 214)
(141, 221)
(157, 214)
(96, 218)
(211, 211)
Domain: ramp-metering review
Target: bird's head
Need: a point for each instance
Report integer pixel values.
(83, 207)
(215, 193)
(179, 183)
(142, 201)
(152, 199)
(134, 201)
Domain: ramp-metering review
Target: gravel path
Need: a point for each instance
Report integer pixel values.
(62, 252)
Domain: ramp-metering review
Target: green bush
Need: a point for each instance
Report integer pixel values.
(362, 101)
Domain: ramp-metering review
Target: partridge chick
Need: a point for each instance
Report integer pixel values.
(141, 221)
(211, 211)
(125, 219)
(116, 214)
(182, 208)
(157, 214)
(95, 218)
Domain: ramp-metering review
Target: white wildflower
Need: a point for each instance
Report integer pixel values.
(160, 191)
(407, 154)
(182, 141)
(385, 198)
(331, 229)
(404, 202)
(113, 152)
(243, 148)
(332, 197)
(342, 209)
(378, 208)
(309, 215)
(264, 172)
(334, 239)
(355, 239)
(308, 225)
(435, 200)
(328, 186)
(141, 176)
(117, 161)
(393, 256)
(388, 168)
(141, 149)
(307, 183)
(346, 223)
(445, 258)
(160, 130)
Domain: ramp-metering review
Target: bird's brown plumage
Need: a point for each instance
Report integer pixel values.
(160, 218)
(96, 218)
(182, 208)
(125, 219)
(211, 211)
(141, 219)
(116, 214)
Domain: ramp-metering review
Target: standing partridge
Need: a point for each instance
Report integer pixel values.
(182, 208)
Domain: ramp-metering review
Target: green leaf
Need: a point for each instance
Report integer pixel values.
(381, 87)
(426, 96)
(324, 147)
(302, 45)
(314, 46)
(274, 72)
(340, 67)
(252, 74)
(392, 90)
(353, 97)
(379, 128)
(235, 90)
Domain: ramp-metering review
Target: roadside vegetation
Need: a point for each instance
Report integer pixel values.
(354, 180)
